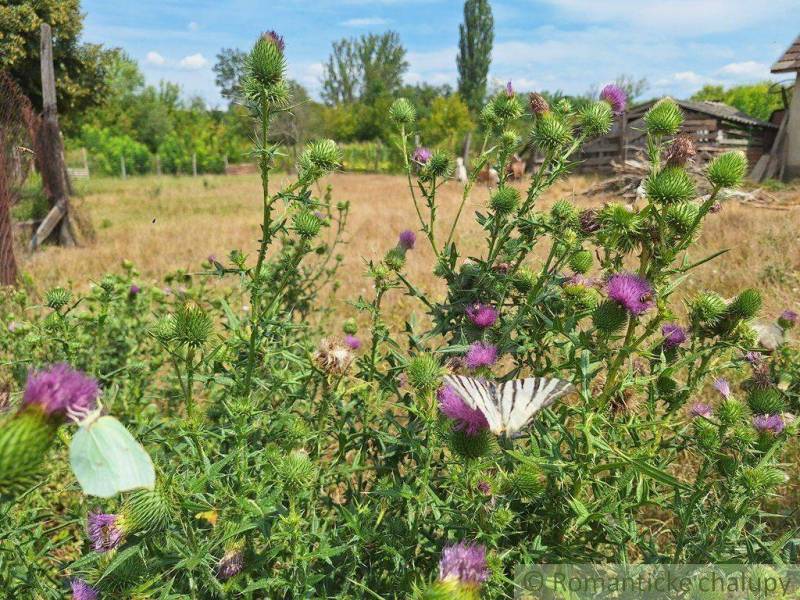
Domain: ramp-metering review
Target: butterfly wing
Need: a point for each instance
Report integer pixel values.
(480, 395)
(107, 459)
(521, 399)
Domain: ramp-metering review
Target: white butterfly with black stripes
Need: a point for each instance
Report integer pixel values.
(509, 406)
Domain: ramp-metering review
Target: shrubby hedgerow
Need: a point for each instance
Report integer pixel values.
(296, 458)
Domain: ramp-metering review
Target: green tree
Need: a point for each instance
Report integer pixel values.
(476, 36)
(364, 69)
(228, 72)
(449, 120)
(759, 100)
(80, 69)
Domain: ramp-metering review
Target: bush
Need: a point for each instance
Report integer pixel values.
(106, 150)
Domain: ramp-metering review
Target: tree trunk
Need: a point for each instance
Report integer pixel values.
(8, 264)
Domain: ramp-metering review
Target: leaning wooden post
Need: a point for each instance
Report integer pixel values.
(623, 137)
(85, 162)
(49, 156)
(194, 164)
(122, 166)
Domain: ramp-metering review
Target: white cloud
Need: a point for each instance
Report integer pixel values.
(193, 26)
(193, 62)
(364, 22)
(154, 58)
(748, 69)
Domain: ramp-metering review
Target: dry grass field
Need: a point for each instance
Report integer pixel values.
(162, 224)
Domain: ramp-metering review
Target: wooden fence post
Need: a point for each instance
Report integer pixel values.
(623, 137)
(378, 153)
(194, 164)
(158, 165)
(225, 162)
(85, 161)
(122, 166)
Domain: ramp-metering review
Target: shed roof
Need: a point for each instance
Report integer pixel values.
(719, 110)
(790, 60)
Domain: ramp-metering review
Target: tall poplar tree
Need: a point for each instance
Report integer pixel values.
(476, 35)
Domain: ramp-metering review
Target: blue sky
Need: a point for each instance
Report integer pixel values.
(677, 45)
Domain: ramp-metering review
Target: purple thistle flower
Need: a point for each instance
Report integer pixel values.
(482, 315)
(105, 531)
(616, 98)
(788, 319)
(590, 220)
(769, 423)
(352, 342)
(230, 564)
(82, 590)
(480, 354)
(469, 420)
(634, 293)
(577, 279)
(62, 391)
(754, 358)
(272, 36)
(464, 563)
(723, 387)
(674, 335)
(134, 291)
(509, 89)
(715, 208)
(212, 258)
(407, 239)
(421, 155)
(484, 488)
(700, 409)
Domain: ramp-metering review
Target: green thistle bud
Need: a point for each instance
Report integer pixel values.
(402, 112)
(620, 228)
(488, 117)
(107, 284)
(164, 329)
(761, 478)
(509, 140)
(504, 200)
(424, 373)
(440, 165)
(24, 440)
(766, 401)
(746, 305)
(57, 298)
(266, 63)
(707, 308)
(727, 465)
(524, 280)
(395, 259)
(682, 216)
(564, 215)
(581, 261)
(727, 170)
(296, 471)
(670, 185)
(663, 118)
(731, 411)
(350, 327)
(306, 224)
(449, 589)
(550, 133)
(527, 482)
(745, 434)
(706, 434)
(583, 296)
(596, 119)
(472, 446)
(666, 385)
(318, 159)
(506, 108)
(192, 326)
(563, 106)
(146, 510)
(609, 317)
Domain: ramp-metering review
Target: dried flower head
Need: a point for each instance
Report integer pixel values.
(82, 590)
(616, 98)
(464, 563)
(106, 531)
(680, 151)
(700, 409)
(421, 155)
(482, 315)
(332, 356)
(769, 423)
(674, 335)
(754, 358)
(407, 239)
(480, 354)
(538, 104)
(272, 36)
(62, 391)
(469, 420)
(633, 293)
(231, 563)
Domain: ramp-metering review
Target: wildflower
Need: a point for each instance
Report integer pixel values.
(464, 563)
(723, 387)
(333, 357)
(407, 239)
(12, 327)
(754, 358)
(538, 104)
(681, 150)
(62, 391)
(482, 315)
(633, 293)
(700, 409)
(577, 279)
(589, 220)
(352, 342)
(231, 563)
(674, 335)
(421, 155)
(212, 258)
(509, 90)
(715, 208)
(106, 531)
(788, 319)
(502, 267)
(469, 420)
(484, 488)
(769, 423)
(82, 590)
(134, 291)
(480, 354)
(272, 36)
(616, 98)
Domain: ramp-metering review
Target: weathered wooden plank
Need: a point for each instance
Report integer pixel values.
(49, 223)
